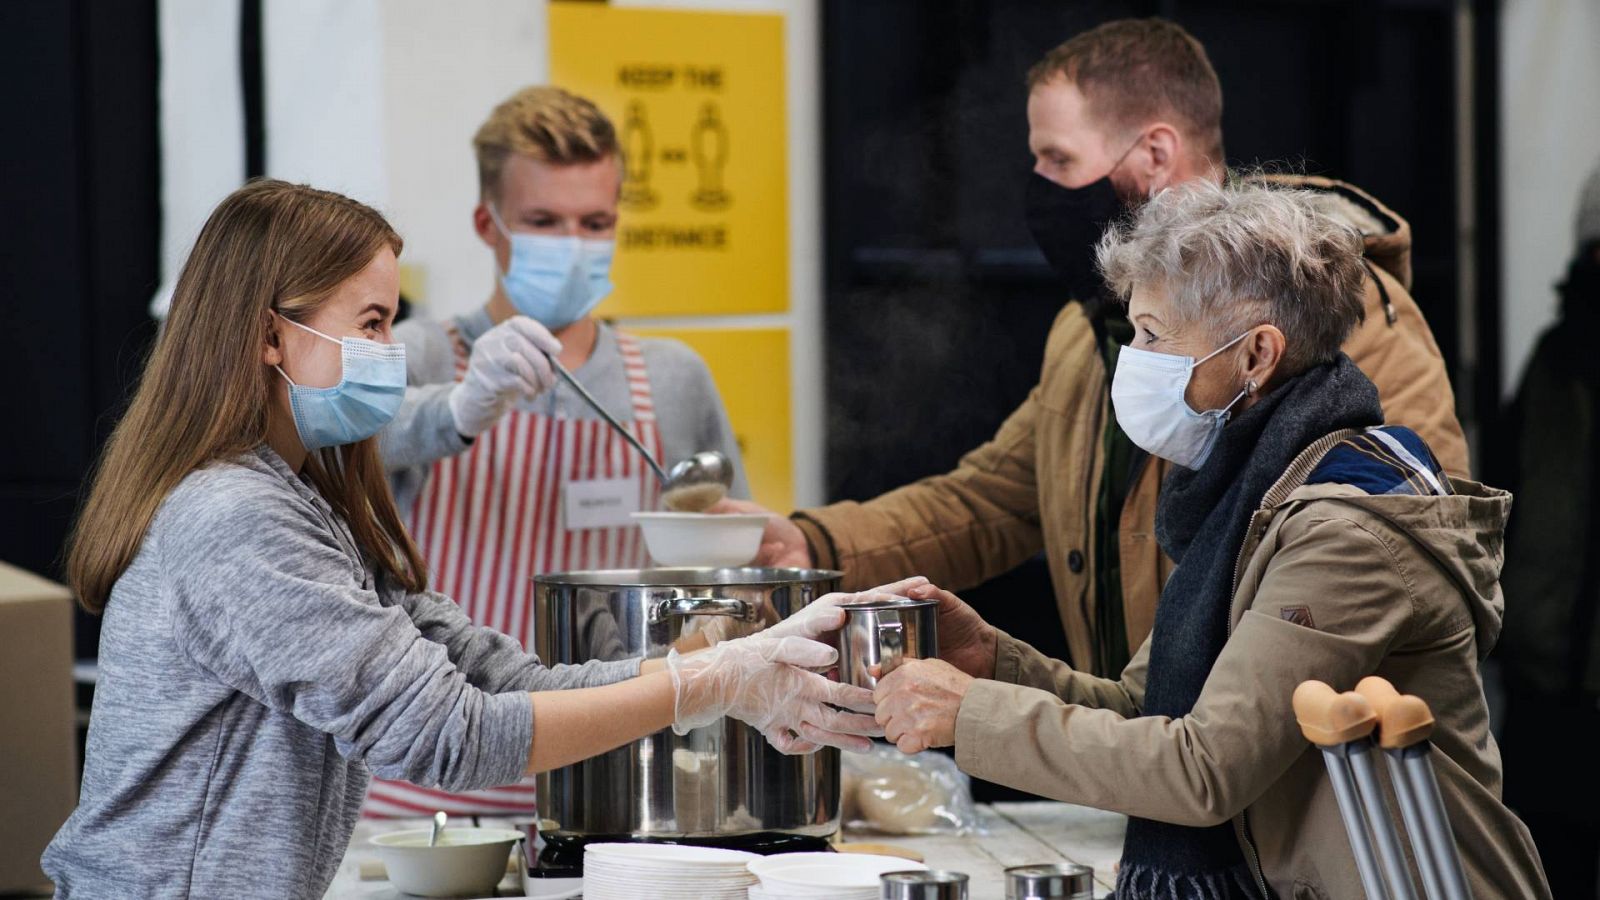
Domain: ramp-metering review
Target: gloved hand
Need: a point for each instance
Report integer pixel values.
(824, 614)
(813, 621)
(507, 364)
(759, 680)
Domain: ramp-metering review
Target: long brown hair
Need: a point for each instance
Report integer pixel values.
(204, 393)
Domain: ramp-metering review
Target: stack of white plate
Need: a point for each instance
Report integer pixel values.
(665, 871)
(838, 876)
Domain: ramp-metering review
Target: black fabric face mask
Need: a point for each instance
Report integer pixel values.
(1580, 290)
(1066, 224)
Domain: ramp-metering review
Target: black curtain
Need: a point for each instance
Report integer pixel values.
(79, 253)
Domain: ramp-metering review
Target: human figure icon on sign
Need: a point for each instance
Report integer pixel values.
(638, 147)
(708, 141)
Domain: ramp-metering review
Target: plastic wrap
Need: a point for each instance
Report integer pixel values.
(887, 792)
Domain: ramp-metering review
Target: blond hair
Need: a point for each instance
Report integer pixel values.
(204, 394)
(1136, 71)
(544, 123)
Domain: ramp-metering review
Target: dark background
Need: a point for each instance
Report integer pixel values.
(937, 301)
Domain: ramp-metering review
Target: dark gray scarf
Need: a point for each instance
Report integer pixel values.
(1200, 523)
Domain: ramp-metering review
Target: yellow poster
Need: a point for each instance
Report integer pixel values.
(751, 368)
(698, 100)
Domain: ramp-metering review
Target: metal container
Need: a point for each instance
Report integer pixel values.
(1049, 881)
(884, 633)
(715, 782)
(930, 885)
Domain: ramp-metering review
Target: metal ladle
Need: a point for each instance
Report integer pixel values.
(696, 482)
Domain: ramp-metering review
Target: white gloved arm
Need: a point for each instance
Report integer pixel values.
(816, 619)
(764, 682)
(824, 614)
(508, 363)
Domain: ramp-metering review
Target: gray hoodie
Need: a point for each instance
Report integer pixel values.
(253, 673)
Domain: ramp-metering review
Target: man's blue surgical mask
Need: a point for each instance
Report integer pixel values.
(371, 385)
(555, 280)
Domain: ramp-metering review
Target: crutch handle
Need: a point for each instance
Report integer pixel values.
(1403, 719)
(1328, 718)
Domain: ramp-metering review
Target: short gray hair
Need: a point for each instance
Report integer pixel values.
(1242, 254)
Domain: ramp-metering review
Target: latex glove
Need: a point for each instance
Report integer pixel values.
(825, 614)
(764, 682)
(816, 619)
(507, 364)
(783, 544)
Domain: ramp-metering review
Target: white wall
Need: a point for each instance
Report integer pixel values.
(1550, 139)
(323, 77)
(445, 65)
(202, 125)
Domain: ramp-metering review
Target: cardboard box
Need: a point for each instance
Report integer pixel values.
(38, 752)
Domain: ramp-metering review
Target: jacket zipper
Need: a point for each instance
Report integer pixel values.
(1298, 471)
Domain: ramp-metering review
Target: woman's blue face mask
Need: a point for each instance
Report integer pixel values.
(555, 280)
(371, 385)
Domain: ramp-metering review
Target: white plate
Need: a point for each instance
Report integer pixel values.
(827, 870)
(671, 853)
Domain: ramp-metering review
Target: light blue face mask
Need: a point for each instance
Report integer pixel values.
(555, 280)
(370, 388)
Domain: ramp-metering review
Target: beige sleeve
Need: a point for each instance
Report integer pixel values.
(1018, 663)
(959, 529)
(1204, 768)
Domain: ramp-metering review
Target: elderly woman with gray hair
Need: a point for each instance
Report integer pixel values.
(1310, 543)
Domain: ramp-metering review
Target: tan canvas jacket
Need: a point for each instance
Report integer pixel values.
(1033, 486)
(1332, 584)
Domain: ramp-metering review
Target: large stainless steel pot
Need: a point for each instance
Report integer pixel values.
(719, 781)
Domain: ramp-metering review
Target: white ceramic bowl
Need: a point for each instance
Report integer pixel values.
(466, 862)
(702, 539)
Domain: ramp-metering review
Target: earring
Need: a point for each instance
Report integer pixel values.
(1250, 387)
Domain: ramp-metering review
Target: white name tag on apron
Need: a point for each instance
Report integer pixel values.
(601, 503)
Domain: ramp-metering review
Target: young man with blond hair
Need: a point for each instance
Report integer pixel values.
(502, 472)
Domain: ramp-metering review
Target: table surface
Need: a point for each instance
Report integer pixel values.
(1010, 834)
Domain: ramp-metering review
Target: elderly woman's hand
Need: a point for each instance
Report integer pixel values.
(966, 641)
(917, 703)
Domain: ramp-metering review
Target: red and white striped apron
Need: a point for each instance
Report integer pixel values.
(489, 519)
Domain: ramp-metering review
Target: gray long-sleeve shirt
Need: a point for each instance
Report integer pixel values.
(688, 407)
(253, 672)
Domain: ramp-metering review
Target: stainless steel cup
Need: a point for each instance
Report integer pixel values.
(885, 633)
(1050, 881)
(930, 885)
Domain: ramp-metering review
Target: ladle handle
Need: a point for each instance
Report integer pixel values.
(589, 398)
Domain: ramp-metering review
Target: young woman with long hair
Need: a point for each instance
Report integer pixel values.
(268, 641)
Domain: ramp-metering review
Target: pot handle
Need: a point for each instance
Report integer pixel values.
(891, 646)
(701, 606)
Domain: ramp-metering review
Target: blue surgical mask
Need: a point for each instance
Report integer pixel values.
(555, 280)
(370, 388)
(1147, 395)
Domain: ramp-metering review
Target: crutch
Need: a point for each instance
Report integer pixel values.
(1341, 726)
(1404, 724)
